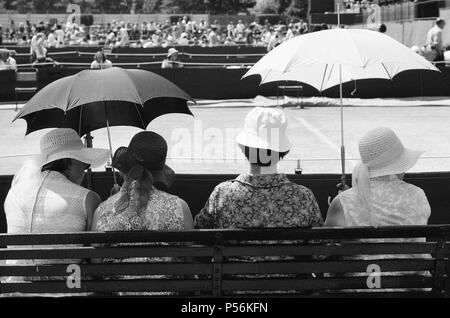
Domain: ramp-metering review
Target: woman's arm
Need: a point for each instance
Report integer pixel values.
(187, 216)
(335, 214)
(91, 203)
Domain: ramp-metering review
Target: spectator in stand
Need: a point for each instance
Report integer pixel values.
(7, 62)
(111, 38)
(51, 39)
(100, 61)
(275, 40)
(213, 38)
(59, 36)
(38, 50)
(240, 27)
(172, 59)
(183, 39)
(231, 32)
(229, 41)
(434, 39)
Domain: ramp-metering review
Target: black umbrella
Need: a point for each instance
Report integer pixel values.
(94, 99)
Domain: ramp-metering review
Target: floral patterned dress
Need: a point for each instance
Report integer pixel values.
(260, 201)
(163, 212)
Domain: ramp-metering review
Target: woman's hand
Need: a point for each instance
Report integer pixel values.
(115, 189)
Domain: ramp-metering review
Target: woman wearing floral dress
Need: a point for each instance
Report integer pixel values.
(261, 198)
(139, 205)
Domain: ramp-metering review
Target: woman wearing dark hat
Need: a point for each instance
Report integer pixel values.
(139, 205)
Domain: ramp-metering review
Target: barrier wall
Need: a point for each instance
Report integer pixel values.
(195, 190)
(224, 83)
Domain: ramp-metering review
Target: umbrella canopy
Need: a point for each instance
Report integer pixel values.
(316, 58)
(87, 100)
(328, 58)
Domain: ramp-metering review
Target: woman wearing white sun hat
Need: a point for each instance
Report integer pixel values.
(379, 196)
(46, 195)
(263, 197)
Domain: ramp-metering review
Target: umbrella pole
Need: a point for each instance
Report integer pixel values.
(342, 130)
(88, 139)
(110, 144)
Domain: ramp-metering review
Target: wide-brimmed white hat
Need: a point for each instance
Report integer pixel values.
(384, 154)
(265, 128)
(63, 143)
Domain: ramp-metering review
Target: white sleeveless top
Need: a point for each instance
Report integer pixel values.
(54, 205)
(59, 206)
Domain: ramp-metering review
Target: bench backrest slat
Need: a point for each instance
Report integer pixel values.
(303, 262)
(319, 283)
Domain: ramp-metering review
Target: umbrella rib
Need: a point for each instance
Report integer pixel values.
(79, 124)
(137, 93)
(323, 77)
(382, 64)
(140, 117)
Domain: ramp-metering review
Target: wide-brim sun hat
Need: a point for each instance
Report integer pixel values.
(384, 154)
(64, 143)
(265, 128)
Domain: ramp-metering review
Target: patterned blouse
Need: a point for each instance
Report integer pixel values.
(259, 201)
(163, 212)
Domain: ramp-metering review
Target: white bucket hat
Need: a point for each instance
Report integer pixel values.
(63, 143)
(172, 51)
(384, 154)
(265, 128)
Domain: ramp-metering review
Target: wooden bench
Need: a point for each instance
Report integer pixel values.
(216, 263)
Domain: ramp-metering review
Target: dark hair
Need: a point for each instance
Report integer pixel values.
(262, 157)
(60, 165)
(138, 189)
(382, 28)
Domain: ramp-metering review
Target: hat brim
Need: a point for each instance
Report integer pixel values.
(254, 141)
(93, 156)
(400, 165)
(165, 176)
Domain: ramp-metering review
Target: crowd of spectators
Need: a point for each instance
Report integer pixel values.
(151, 34)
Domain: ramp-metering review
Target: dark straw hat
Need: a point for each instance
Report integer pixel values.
(150, 150)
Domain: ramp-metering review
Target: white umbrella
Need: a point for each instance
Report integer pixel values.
(331, 57)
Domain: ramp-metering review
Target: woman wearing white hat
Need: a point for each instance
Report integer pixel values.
(46, 195)
(379, 196)
(262, 197)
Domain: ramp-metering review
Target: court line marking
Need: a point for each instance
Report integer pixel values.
(349, 161)
(319, 134)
